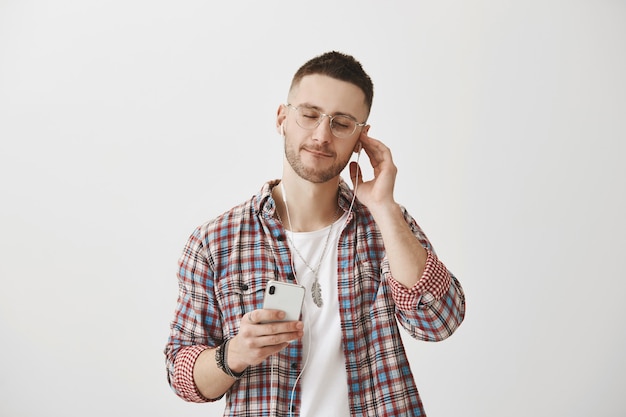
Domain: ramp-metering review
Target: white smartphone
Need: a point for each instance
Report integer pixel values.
(286, 297)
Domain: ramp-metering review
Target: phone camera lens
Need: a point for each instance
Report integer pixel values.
(272, 289)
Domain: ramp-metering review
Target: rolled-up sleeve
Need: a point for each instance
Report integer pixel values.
(432, 285)
(434, 307)
(181, 380)
(196, 321)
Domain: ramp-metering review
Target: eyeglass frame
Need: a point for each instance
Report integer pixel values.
(330, 120)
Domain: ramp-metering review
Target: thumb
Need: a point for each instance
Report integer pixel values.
(355, 173)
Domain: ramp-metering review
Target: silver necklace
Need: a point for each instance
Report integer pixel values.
(316, 289)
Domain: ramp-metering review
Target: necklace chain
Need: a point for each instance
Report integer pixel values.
(321, 257)
(316, 290)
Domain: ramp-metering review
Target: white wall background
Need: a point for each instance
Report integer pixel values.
(124, 124)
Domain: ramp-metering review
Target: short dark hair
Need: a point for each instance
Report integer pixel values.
(341, 67)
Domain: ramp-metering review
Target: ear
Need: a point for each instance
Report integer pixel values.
(359, 145)
(281, 115)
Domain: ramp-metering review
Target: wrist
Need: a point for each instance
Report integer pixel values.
(235, 361)
(221, 358)
(386, 212)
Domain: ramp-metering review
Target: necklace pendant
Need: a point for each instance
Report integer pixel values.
(316, 293)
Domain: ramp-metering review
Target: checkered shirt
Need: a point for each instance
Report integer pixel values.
(222, 274)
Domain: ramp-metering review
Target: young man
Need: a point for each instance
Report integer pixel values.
(365, 263)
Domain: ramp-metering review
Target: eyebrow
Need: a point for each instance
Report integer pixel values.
(311, 106)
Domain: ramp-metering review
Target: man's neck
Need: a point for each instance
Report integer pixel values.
(308, 206)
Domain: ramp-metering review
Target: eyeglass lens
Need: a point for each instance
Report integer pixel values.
(310, 118)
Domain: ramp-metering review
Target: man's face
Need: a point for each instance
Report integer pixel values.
(317, 155)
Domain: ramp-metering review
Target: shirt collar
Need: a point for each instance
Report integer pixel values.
(264, 202)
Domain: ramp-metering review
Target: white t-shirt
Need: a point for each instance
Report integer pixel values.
(324, 381)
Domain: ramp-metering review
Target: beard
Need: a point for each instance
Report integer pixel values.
(313, 175)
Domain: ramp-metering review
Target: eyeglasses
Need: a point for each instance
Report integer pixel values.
(309, 118)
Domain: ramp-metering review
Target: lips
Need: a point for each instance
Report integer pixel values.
(319, 152)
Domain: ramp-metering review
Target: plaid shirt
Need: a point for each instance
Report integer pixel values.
(224, 269)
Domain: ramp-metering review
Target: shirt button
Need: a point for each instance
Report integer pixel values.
(291, 276)
(244, 287)
(294, 366)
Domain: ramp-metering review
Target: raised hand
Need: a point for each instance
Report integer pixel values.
(377, 192)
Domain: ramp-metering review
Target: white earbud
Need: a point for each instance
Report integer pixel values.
(282, 130)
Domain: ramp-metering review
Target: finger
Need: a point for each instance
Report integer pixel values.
(264, 316)
(275, 339)
(255, 351)
(271, 334)
(370, 145)
(250, 319)
(368, 142)
(356, 174)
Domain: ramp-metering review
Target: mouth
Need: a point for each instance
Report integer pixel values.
(318, 152)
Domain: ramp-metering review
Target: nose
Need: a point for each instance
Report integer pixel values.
(322, 132)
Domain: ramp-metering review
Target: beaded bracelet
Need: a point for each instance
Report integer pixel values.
(221, 357)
